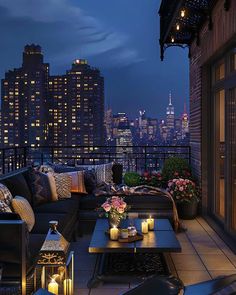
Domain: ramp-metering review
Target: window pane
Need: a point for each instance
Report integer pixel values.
(220, 72)
(232, 125)
(233, 61)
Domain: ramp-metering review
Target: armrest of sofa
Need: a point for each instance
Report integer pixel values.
(13, 248)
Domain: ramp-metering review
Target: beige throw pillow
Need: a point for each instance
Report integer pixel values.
(77, 185)
(22, 207)
(53, 187)
(63, 185)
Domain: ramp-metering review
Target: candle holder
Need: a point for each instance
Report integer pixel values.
(54, 270)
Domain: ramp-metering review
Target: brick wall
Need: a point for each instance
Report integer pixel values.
(212, 44)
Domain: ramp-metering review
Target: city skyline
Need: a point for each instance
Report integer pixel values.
(127, 56)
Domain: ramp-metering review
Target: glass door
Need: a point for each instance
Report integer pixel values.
(232, 143)
(219, 154)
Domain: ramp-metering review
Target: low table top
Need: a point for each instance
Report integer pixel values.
(161, 239)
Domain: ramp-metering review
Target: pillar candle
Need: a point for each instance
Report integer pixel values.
(114, 234)
(150, 223)
(144, 227)
(53, 287)
(67, 287)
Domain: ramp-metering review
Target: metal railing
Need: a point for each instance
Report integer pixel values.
(133, 158)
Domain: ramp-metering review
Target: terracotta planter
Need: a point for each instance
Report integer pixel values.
(187, 210)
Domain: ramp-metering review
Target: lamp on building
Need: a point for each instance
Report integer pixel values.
(172, 39)
(177, 27)
(182, 12)
(55, 266)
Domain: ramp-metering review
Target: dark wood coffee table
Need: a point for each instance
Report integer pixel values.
(161, 240)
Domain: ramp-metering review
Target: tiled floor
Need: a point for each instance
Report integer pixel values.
(204, 256)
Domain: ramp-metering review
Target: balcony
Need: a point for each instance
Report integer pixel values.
(204, 254)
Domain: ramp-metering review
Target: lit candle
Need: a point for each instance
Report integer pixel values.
(144, 227)
(53, 287)
(150, 223)
(67, 287)
(114, 234)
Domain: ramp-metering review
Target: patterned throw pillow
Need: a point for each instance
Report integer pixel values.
(77, 185)
(22, 207)
(90, 181)
(41, 188)
(104, 173)
(52, 183)
(63, 185)
(5, 194)
(4, 208)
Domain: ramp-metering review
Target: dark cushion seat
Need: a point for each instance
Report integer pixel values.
(17, 185)
(60, 206)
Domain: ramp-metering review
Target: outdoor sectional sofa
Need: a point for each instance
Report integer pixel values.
(74, 215)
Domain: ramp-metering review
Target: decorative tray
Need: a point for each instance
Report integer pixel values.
(130, 239)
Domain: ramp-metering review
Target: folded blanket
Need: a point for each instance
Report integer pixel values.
(108, 190)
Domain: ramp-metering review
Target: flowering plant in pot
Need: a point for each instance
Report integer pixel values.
(115, 209)
(186, 196)
(152, 179)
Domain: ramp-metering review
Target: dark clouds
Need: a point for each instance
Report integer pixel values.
(120, 37)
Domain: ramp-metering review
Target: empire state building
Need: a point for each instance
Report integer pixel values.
(170, 114)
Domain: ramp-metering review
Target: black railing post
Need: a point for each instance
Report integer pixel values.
(15, 158)
(52, 154)
(25, 156)
(145, 157)
(3, 161)
(41, 157)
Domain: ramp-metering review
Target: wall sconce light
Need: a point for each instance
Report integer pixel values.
(172, 39)
(182, 12)
(177, 27)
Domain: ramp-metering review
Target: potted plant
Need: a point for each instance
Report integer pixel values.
(115, 209)
(185, 194)
(175, 168)
(152, 179)
(132, 179)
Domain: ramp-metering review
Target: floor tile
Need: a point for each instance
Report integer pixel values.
(187, 248)
(99, 291)
(81, 292)
(206, 247)
(217, 273)
(82, 277)
(187, 262)
(193, 277)
(216, 262)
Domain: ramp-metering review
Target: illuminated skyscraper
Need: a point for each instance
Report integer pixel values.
(65, 110)
(24, 101)
(78, 106)
(170, 115)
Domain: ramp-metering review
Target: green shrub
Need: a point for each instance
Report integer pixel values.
(175, 168)
(132, 179)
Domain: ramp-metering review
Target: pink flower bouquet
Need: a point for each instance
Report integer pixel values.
(183, 189)
(115, 209)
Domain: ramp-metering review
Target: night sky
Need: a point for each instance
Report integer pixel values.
(119, 37)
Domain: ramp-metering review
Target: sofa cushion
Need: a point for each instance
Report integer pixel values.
(4, 208)
(5, 194)
(18, 185)
(40, 187)
(148, 202)
(22, 207)
(65, 222)
(90, 202)
(61, 206)
(63, 185)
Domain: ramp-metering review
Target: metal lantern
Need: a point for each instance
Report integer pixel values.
(55, 266)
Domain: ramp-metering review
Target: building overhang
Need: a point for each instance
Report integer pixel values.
(181, 21)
